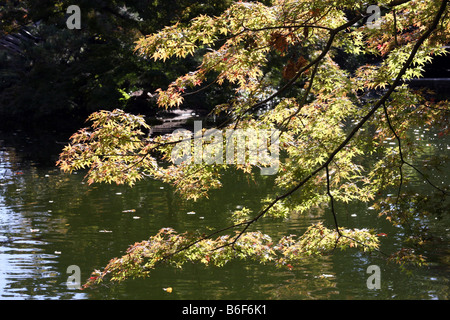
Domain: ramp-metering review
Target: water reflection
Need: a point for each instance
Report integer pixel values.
(50, 220)
(28, 256)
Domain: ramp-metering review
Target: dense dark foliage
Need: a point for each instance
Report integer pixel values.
(52, 77)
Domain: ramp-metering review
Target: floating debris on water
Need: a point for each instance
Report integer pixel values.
(323, 276)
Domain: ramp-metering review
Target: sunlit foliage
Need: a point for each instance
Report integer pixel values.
(280, 61)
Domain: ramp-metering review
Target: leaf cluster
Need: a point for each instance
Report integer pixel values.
(169, 247)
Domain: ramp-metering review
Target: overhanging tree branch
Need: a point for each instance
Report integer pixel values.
(358, 126)
(333, 33)
(324, 52)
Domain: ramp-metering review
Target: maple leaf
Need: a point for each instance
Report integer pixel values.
(293, 67)
(279, 42)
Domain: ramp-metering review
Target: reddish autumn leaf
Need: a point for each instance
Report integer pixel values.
(293, 67)
(279, 42)
(315, 12)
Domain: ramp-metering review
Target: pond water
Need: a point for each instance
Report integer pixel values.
(50, 221)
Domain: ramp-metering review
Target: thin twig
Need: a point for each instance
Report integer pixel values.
(303, 101)
(332, 202)
(395, 28)
(403, 161)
